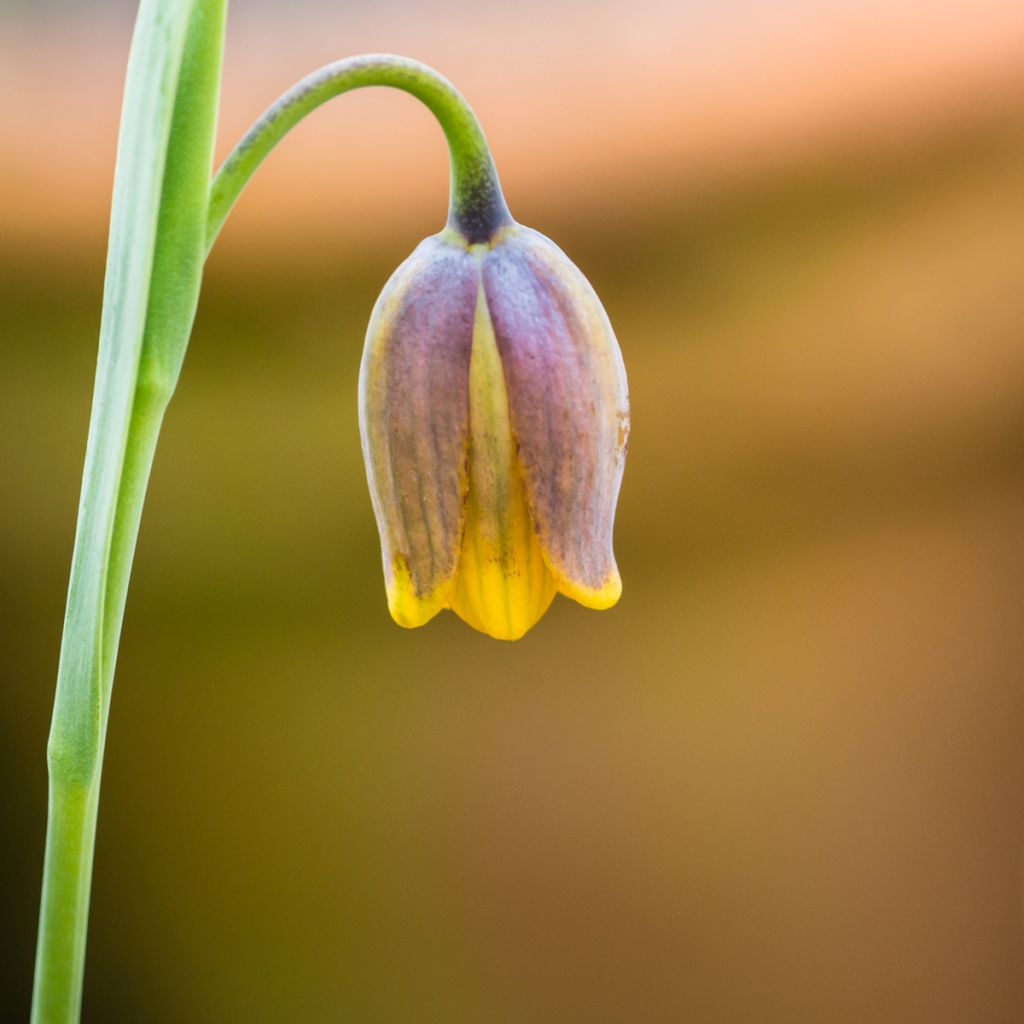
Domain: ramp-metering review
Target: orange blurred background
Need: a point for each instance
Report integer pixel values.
(783, 781)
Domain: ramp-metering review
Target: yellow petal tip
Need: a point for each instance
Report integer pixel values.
(600, 598)
(408, 608)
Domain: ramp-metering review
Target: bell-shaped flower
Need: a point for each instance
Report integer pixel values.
(494, 420)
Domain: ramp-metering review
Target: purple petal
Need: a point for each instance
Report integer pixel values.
(414, 410)
(567, 402)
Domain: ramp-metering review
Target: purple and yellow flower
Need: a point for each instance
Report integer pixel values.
(494, 419)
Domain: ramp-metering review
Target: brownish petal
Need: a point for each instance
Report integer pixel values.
(414, 422)
(568, 405)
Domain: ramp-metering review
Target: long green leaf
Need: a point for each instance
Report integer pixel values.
(151, 84)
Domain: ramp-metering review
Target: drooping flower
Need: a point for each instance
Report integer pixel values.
(494, 418)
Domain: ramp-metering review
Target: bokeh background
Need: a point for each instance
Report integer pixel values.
(784, 780)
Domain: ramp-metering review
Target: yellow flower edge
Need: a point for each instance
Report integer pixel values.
(600, 599)
(408, 608)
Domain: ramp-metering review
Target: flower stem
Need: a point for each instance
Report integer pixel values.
(154, 267)
(477, 207)
(75, 782)
(70, 838)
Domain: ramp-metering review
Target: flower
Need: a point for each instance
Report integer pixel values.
(494, 419)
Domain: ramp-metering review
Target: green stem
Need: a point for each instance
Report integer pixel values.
(70, 839)
(477, 208)
(154, 268)
(74, 792)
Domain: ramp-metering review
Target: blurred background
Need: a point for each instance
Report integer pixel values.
(783, 781)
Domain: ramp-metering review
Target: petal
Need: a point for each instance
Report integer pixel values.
(414, 422)
(568, 407)
(503, 585)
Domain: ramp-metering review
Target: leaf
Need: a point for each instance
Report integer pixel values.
(151, 84)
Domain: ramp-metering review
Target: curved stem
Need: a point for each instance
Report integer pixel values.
(477, 207)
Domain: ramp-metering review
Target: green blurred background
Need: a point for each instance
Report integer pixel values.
(783, 781)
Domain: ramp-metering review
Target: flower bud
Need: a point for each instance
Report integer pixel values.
(494, 418)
